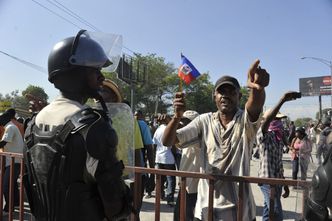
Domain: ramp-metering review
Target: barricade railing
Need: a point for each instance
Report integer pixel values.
(158, 173)
(212, 178)
(11, 157)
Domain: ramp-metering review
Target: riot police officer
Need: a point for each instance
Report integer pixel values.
(72, 169)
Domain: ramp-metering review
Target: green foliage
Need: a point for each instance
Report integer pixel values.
(7, 101)
(20, 102)
(245, 96)
(301, 122)
(36, 91)
(155, 94)
(4, 105)
(199, 95)
(148, 94)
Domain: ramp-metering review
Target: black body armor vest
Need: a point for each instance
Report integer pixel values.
(57, 182)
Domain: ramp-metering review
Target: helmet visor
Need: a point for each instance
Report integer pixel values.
(97, 50)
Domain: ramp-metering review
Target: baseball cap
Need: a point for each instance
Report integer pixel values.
(190, 114)
(226, 79)
(11, 112)
(300, 129)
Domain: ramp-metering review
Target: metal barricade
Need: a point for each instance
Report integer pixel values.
(212, 178)
(22, 214)
(25, 215)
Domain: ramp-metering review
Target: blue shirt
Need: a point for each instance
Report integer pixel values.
(145, 132)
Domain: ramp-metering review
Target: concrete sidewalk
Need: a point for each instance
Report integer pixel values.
(292, 206)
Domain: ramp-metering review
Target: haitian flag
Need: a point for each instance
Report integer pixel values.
(187, 70)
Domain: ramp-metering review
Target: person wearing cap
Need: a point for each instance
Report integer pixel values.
(271, 139)
(322, 147)
(226, 140)
(12, 113)
(300, 153)
(190, 161)
(11, 141)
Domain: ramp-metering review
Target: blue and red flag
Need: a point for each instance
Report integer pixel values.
(187, 71)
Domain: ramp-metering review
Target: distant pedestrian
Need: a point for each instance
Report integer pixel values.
(300, 152)
(165, 160)
(11, 141)
(271, 139)
(291, 133)
(323, 147)
(12, 114)
(312, 135)
(148, 153)
(191, 162)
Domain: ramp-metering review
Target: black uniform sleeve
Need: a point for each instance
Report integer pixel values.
(101, 144)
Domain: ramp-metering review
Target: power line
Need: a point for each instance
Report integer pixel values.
(129, 50)
(53, 12)
(72, 14)
(34, 66)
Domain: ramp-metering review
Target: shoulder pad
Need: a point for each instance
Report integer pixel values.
(85, 118)
(29, 124)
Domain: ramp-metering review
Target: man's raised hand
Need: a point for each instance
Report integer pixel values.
(258, 78)
(179, 104)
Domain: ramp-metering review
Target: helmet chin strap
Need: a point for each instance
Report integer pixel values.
(100, 99)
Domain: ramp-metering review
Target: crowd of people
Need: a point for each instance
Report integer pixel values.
(93, 145)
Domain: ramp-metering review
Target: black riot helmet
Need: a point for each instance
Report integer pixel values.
(75, 53)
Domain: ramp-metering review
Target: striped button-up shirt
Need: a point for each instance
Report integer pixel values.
(224, 151)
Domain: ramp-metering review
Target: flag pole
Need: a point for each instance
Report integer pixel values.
(180, 85)
(180, 80)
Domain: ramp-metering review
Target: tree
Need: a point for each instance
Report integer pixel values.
(7, 100)
(245, 95)
(20, 103)
(199, 95)
(4, 105)
(302, 122)
(36, 91)
(155, 94)
(148, 91)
